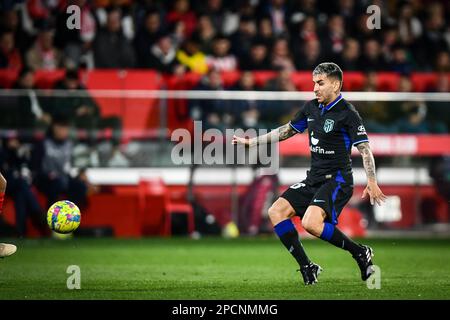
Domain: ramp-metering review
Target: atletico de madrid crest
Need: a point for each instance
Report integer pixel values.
(328, 125)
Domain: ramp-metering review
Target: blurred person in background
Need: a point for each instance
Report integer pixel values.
(281, 57)
(77, 44)
(349, 60)
(242, 39)
(191, 57)
(221, 59)
(246, 111)
(272, 112)
(111, 48)
(51, 165)
(372, 58)
(14, 163)
(257, 58)
(214, 113)
(146, 36)
(44, 55)
(85, 114)
(414, 119)
(334, 38)
(311, 56)
(28, 110)
(10, 57)
(205, 33)
(10, 21)
(182, 13)
(163, 56)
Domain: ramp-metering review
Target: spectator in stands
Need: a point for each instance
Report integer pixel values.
(191, 57)
(349, 61)
(40, 11)
(112, 40)
(205, 33)
(257, 59)
(181, 12)
(14, 166)
(163, 56)
(390, 40)
(439, 117)
(372, 58)
(82, 110)
(28, 109)
(10, 21)
(126, 19)
(43, 55)
(10, 57)
(414, 120)
(277, 11)
(409, 26)
(443, 62)
(246, 111)
(265, 32)
(147, 36)
(281, 57)
(433, 40)
(400, 60)
(76, 43)
(214, 113)
(307, 32)
(221, 59)
(376, 113)
(51, 163)
(334, 38)
(310, 57)
(242, 39)
(272, 110)
(214, 9)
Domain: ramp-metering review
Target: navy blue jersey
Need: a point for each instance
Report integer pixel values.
(333, 130)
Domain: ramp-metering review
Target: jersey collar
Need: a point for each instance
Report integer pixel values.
(331, 104)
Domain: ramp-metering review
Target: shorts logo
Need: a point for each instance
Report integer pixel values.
(328, 125)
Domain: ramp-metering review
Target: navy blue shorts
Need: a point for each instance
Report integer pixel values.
(330, 195)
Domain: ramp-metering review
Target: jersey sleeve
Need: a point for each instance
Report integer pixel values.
(300, 121)
(355, 128)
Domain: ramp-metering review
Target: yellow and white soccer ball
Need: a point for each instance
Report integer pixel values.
(63, 217)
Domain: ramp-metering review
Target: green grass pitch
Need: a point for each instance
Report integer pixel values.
(214, 268)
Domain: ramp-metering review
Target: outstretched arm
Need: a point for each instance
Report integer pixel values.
(372, 189)
(282, 133)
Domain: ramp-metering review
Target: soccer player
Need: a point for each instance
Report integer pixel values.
(5, 248)
(334, 126)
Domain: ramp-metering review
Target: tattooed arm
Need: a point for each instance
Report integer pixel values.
(372, 189)
(282, 133)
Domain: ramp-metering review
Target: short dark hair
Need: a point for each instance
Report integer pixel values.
(330, 69)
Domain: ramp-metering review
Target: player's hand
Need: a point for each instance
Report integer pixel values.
(239, 140)
(374, 192)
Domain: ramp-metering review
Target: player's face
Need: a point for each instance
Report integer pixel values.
(325, 89)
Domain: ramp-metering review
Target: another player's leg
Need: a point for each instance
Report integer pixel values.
(5, 248)
(280, 213)
(314, 223)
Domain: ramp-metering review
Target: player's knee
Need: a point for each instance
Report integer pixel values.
(311, 226)
(2, 183)
(276, 215)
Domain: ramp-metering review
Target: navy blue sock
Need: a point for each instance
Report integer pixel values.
(289, 237)
(335, 236)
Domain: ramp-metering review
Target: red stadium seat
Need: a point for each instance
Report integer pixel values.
(153, 191)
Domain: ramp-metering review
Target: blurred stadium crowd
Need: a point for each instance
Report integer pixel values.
(181, 35)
